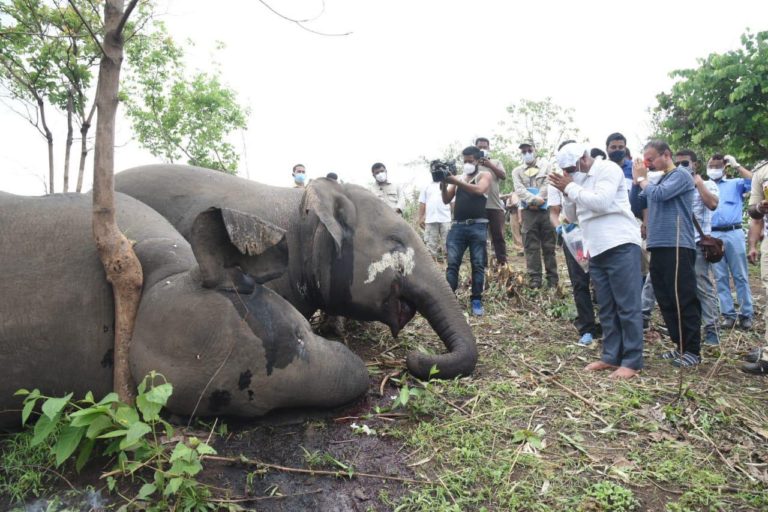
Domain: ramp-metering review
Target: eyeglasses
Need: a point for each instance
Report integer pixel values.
(684, 163)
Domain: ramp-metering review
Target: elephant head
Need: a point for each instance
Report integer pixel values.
(228, 344)
(362, 260)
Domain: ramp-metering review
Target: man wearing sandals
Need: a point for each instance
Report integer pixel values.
(595, 196)
(671, 243)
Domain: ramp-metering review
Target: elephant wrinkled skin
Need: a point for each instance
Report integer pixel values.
(349, 254)
(232, 347)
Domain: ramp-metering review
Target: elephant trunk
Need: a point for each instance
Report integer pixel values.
(438, 304)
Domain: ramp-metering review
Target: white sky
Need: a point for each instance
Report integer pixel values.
(415, 76)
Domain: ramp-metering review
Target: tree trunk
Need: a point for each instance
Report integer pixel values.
(116, 252)
(49, 138)
(84, 147)
(68, 146)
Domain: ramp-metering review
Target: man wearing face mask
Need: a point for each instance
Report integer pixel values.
(616, 146)
(595, 196)
(388, 192)
(299, 176)
(530, 180)
(495, 205)
(670, 239)
(470, 223)
(726, 225)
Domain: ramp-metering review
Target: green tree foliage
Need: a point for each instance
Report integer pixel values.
(722, 105)
(544, 122)
(177, 116)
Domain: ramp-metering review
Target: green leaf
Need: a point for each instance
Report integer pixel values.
(98, 425)
(205, 449)
(146, 491)
(135, 433)
(404, 394)
(53, 406)
(126, 415)
(85, 417)
(67, 444)
(21, 392)
(160, 394)
(88, 398)
(43, 429)
(110, 398)
(114, 433)
(173, 486)
(182, 452)
(149, 410)
(27, 410)
(85, 453)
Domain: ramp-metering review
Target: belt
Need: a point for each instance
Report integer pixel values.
(726, 228)
(469, 222)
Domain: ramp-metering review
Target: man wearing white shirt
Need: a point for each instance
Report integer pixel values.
(434, 218)
(595, 196)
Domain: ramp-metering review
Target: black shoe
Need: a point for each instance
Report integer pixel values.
(745, 323)
(534, 284)
(758, 368)
(753, 355)
(728, 323)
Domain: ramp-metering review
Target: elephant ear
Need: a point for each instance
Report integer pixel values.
(235, 250)
(326, 199)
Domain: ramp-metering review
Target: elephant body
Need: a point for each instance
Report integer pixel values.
(348, 253)
(239, 350)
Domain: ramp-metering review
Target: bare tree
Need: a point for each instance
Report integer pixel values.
(121, 265)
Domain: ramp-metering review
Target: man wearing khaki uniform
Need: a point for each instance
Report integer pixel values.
(757, 359)
(531, 182)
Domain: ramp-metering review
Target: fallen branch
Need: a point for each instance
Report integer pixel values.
(253, 462)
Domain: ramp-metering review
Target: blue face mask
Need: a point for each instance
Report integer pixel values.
(299, 178)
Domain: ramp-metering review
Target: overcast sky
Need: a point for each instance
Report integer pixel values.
(416, 75)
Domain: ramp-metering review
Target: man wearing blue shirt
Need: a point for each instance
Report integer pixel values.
(726, 225)
(670, 240)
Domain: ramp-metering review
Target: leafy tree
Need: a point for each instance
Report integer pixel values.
(722, 105)
(175, 116)
(544, 122)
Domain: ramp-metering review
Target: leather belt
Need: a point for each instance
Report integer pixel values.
(469, 222)
(726, 228)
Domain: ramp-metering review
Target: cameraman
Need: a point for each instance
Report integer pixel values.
(470, 223)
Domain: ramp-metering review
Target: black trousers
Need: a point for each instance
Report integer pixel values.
(664, 263)
(496, 230)
(585, 312)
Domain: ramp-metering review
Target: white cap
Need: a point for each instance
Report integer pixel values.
(570, 153)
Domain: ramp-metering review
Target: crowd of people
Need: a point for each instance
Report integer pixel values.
(634, 234)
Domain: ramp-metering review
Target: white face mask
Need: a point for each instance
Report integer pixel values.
(470, 168)
(714, 174)
(382, 177)
(528, 157)
(654, 176)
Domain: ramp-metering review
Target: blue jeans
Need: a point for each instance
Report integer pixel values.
(460, 237)
(616, 274)
(734, 263)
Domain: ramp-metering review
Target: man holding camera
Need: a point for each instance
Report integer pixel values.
(470, 222)
(495, 206)
(538, 234)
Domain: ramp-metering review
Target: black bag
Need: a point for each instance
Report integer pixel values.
(711, 247)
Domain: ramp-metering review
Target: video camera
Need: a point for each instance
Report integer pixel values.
(441, 170)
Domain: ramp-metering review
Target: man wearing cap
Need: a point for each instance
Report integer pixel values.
(530, 180)
(495, 206)
(470, 223)
(595, 196)
(388, 192)
(757, 359)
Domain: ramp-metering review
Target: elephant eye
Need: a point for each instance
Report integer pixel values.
(398, 244)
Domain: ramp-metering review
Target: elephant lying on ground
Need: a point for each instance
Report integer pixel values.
(349, 254)
(232, 347)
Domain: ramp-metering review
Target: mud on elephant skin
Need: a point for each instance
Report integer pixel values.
(349, 254)
(231, 347)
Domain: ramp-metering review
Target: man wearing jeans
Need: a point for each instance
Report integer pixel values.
(596, 197)
(470, 224)
(757, 359)
(726, 225)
